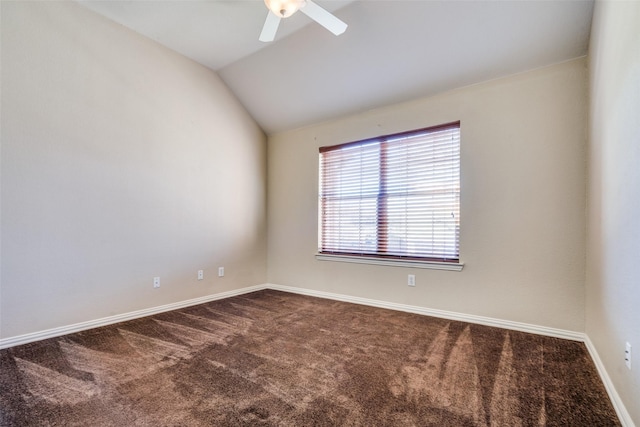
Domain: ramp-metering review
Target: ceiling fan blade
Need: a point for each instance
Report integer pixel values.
(324, 18)
(270, 28)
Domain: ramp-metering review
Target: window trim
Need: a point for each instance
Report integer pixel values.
(444, 126)
(392, 262)
(453, 264)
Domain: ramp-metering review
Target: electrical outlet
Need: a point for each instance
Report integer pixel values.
(220, 271)
(200, 274)
(156, 282)
(627, 355)
(411, 280)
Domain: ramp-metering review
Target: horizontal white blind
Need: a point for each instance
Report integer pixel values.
(393, 196)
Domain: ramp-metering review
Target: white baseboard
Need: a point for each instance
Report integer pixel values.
(82, 326)
(621, 411)
(488, 321)
(480, 320)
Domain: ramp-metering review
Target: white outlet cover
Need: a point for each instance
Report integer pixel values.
(627, 355)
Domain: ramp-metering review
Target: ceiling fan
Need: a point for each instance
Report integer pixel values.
(279, 9)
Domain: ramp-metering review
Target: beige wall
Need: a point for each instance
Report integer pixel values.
(523, 144)
(613, 247)
(121, 161)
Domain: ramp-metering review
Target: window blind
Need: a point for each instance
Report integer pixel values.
(394, 196)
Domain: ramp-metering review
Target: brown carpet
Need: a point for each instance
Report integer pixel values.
(277, 359)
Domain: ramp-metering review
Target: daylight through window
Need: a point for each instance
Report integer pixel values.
(395, 196)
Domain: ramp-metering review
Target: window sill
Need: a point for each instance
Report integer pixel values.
(433, 265)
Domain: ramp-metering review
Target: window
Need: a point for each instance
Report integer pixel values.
(394, 197)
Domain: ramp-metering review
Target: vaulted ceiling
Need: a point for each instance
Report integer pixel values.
(392, 51)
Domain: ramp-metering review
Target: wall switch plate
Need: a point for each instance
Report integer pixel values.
(200, 274)
(411, 280)
(156, 282)
(627, 355)
(220, 271)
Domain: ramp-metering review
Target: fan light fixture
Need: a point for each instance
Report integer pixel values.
(284, 8)
(279, 9)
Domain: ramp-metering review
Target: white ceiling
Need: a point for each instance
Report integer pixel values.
(393, 50)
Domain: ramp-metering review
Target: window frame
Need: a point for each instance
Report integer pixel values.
(379, 258)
